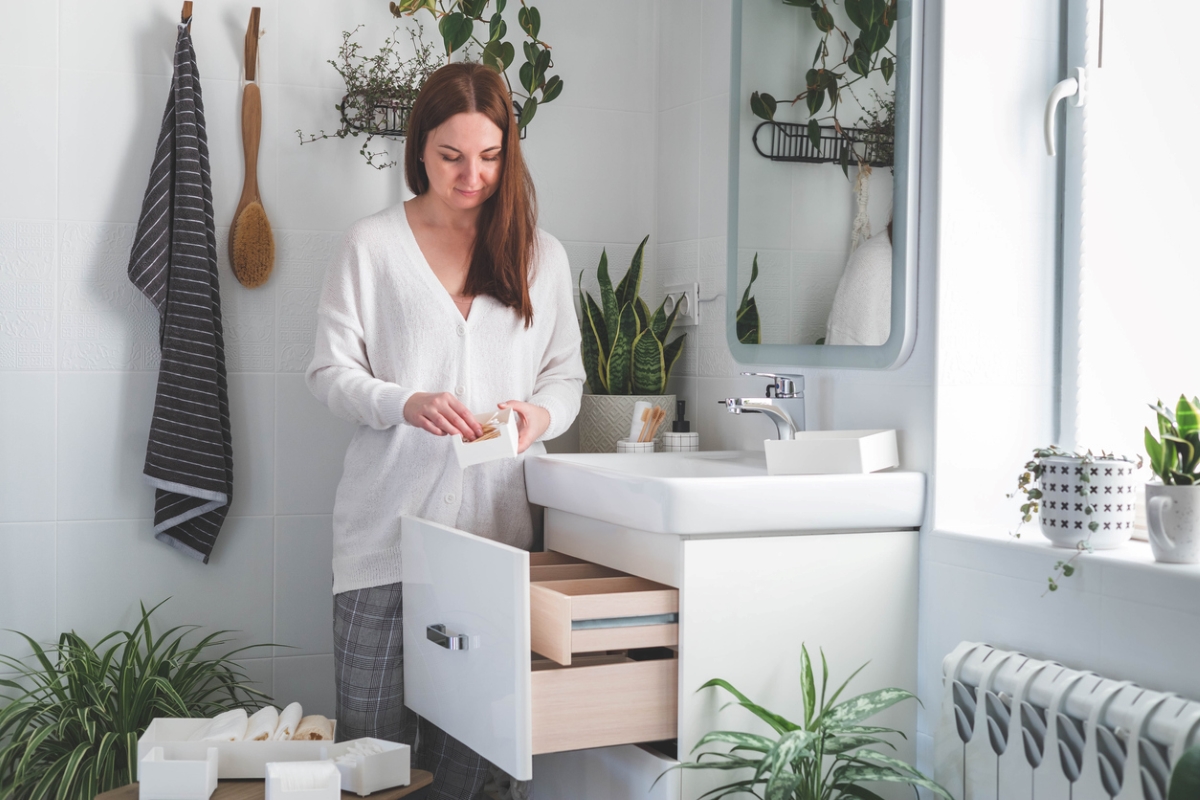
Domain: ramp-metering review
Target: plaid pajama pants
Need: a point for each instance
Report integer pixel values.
(369, 661)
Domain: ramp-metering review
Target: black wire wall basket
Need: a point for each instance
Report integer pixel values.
(790, 142)
(390, 119)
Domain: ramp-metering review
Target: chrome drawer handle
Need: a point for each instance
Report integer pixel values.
(447, 638)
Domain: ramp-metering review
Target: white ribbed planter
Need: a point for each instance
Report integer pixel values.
(1111, 492)
(604, 418)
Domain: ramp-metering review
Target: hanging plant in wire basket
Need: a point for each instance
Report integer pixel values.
(381, 89)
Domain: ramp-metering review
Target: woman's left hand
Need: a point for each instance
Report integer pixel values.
(532, 422)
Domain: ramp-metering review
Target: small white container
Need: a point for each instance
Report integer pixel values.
(235, 760)
(630, 446)
(832, 453)
(680, 442)
(503, 446)
(160, 778)
(363, 774)
(303, 780)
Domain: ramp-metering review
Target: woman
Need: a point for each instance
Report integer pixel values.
(449, 303)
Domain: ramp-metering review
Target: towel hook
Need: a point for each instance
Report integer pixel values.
(185, 16)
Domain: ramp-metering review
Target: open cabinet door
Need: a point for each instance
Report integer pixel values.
(466, 640)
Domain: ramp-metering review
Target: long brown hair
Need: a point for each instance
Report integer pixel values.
(506, 235)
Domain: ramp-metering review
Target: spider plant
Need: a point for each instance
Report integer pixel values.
(824, 757)
(70, 721)
(748, 331)
(1185, 776)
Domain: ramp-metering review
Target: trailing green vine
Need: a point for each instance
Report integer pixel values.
(1028, 485)
(456, 22)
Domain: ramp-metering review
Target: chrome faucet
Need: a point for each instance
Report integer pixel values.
(787, 410)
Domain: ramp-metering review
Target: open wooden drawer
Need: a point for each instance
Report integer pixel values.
(474, 612)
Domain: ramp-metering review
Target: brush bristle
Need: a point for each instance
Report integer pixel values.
(253, 250)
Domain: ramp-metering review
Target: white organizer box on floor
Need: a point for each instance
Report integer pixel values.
(371, 773)
(235, 760)
(308, 780)
(161, 778)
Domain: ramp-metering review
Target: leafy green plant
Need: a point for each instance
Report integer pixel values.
(1028, 486)
(748, 330)
(1185, 776)
(380, 89)
(625, 348)
(70, 722)
(456, 22)
(1176, 459)
(824, 757)
(829, 79)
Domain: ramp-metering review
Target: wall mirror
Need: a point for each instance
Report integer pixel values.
(814, 184)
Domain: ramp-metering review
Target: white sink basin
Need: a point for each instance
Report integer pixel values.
(723, 491)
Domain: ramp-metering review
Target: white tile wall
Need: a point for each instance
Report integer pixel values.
(303, 603)
(308, 680)
(27, 592)
(27, 452)
(309, 446)
(105, 567)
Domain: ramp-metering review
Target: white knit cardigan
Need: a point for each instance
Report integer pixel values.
(386, 328)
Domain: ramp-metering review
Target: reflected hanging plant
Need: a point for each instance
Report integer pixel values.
(832, 75)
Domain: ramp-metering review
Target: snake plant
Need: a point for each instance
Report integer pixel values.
(1176, 459)
(748, 330)
(824, 756)
(70, 721)
(625, 348)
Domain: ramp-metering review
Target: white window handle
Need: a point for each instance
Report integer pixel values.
(1070, 87)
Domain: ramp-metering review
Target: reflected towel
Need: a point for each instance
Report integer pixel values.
(189, 457)
(862, 306)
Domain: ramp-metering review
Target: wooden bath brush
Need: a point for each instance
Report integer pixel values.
(251, 244)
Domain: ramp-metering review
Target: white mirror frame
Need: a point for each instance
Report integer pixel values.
(900, 341)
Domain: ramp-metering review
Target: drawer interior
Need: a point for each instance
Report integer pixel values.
(580, 607)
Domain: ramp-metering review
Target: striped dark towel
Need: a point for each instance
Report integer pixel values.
(189, 458)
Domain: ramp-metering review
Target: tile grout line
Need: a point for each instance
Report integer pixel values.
(57, 276)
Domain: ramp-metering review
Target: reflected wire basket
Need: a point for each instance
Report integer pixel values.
(789, 141)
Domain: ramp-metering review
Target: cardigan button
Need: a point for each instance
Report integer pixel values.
(462, 330)
(449, 499)
(460, 390)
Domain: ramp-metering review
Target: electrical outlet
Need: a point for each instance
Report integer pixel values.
(683, 295)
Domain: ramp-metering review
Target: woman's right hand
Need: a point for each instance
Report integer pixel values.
(441, 414)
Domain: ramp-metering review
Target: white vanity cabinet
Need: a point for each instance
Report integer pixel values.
(745, 604)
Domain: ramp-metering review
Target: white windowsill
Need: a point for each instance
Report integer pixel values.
(1128, 572)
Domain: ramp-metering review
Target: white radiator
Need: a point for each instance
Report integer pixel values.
(1017, 728)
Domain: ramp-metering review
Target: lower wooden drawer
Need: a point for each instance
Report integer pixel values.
(601, 704)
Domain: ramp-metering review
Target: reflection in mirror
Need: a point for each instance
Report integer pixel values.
(816, 202)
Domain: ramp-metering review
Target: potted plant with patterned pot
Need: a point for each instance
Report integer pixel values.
(1083, 501)
(1173, 501)
(626, 356)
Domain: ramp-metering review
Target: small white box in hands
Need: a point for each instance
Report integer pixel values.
(303, 780)
(499, 439)
(832, 453)
(368, 765)
(163, 779)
